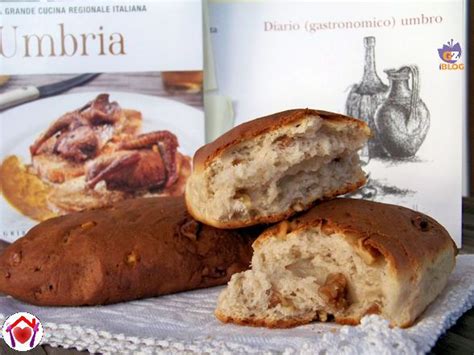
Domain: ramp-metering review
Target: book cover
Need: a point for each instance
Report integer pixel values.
(397, 65)
(100, 101)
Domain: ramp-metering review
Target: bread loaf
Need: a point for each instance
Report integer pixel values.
(270, 168)
(139, 248)
(342, 259)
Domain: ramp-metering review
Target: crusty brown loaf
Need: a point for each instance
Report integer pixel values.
(139, 248)
(311, 151)
(395, 262)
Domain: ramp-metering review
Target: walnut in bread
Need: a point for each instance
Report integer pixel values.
(342, 259)
(138, 248)
(273, 167)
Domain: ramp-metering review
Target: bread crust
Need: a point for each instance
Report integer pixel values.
(405, 238)
(256, 322)
(284, 323)
(234, 224)
(138, 248)
(256, 127)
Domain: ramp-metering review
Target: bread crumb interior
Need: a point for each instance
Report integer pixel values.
(306, 276)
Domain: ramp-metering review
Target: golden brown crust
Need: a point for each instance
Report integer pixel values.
(138, 248)
(288, 323)
(262, 125)
(404, 237)
(283, 323)
(257, 322)
(273, 218)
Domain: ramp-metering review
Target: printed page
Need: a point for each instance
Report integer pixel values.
(398, 65)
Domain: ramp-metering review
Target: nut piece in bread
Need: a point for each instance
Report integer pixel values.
(270, 168)
(138, 248)
(342, 259)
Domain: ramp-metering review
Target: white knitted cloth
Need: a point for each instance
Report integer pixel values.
(185, 323)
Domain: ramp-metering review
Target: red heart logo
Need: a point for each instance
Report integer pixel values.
(22, 334)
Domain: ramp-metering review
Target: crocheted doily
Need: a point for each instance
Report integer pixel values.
(185, 323)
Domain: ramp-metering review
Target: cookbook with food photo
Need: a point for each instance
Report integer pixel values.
(127, 127)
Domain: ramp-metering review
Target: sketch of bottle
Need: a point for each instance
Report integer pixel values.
(365, 97)
(403, 120)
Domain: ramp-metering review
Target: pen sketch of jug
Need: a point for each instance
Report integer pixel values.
(397, 116)
(365, 97)
(403, 120)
